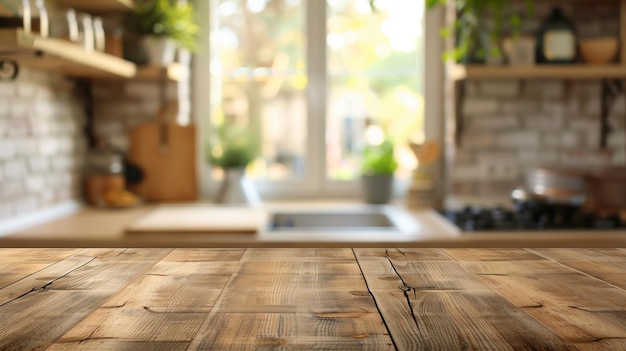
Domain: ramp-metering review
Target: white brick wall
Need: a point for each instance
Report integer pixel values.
(500, 88)
(497, 122)
(519, 139)
(40, 142)
(480, 106)
(512, 126)
(118, 107)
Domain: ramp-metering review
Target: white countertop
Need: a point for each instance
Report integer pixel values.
(106, 228)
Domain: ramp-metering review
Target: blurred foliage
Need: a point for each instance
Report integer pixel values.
(385, 82)
(479, 25)
(167, 18)
(379, 159)
(232, 147)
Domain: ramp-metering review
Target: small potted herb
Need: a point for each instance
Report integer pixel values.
(165, 25)
(233, 153)
(377, 170)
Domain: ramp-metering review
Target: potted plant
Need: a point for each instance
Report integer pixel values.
(377, 169)
(478, 27)
(233, 153)
(165, 25)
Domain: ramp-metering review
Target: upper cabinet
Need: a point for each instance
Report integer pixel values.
(29, 49)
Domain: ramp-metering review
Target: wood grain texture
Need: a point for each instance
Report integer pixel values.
(35, 319)
(166, 152)
(294, 300)
(16, 264)
(161, 309)
(436, 305)
(581, 308)
(302, 299)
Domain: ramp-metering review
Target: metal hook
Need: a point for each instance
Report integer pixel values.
(9, 69)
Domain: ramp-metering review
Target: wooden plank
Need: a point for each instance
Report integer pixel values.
(294, 299)
(164, 308)
(204, 255)
(612, 272)
(587, 312)
(437, 305)
(36, 319)
(572, 72)
(98, 5)
(492, 255)
(174, 72)
(42, 278)
(63, 55)
(406, 255)
(16, 264)
(288, 331)
(607, 265)
(301, 254)
(561, 254)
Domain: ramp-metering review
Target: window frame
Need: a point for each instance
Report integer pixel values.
(315, 183)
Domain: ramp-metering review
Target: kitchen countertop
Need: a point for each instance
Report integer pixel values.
(92, 227)
(331, 299)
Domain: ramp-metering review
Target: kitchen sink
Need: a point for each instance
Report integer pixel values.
(368, 218)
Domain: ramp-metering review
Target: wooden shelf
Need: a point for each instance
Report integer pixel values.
(97, 6)
(174, 72)
(573, 72)
(72, 60)
(61, 56)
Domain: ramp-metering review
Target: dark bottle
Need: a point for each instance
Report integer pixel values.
(556, 41)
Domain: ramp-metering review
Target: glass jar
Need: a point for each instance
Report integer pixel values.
(104, 172)
(556, 42)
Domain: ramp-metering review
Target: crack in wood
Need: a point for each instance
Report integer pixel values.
(45, 286)
(380, 313)
(333, 315)
(538, 305)
(405, 290)
(118, 254)
(605, 338)
(116, 306)
(597, 309)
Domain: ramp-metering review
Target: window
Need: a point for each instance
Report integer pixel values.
(311, 81)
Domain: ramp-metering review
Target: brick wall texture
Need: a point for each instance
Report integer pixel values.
(512, 126)
(41, 142)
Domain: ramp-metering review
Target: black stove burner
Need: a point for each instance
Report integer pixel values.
(530, 216)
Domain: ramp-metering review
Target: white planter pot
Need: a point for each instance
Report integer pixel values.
(237, 189)
(160, 50)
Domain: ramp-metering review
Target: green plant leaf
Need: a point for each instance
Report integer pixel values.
(379, 159)
(167, 18)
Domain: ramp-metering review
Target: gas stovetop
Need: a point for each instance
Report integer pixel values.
(532, 217)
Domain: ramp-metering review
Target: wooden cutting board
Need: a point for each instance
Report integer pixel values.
(166, 152)
(199, 219)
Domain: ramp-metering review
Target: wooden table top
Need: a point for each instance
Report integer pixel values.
(300, 299)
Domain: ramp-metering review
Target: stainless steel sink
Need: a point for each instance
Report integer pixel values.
(366, 218)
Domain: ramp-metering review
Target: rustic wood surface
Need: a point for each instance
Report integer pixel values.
(302, 299)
